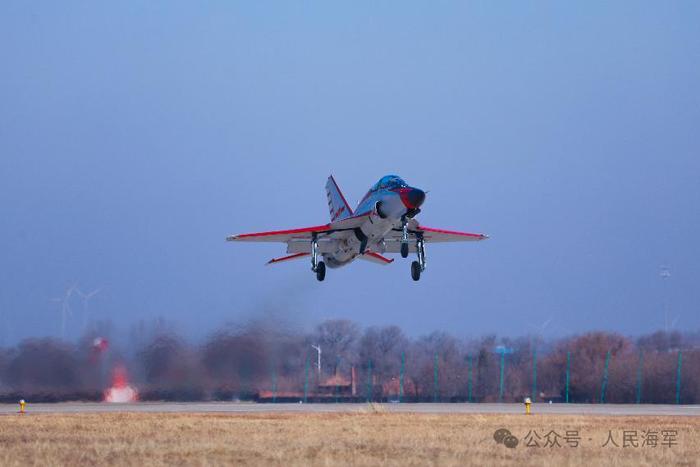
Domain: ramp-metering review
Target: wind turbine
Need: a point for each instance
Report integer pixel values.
(675, 321)
(542, 326)
(65, 308)
(86, 301)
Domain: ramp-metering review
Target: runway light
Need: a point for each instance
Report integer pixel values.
(528, 403)
(22, 404)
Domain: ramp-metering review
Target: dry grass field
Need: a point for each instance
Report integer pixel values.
(371, 438)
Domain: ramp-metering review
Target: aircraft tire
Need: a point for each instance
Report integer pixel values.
(321, 271)
(415, 270)
(404, 250)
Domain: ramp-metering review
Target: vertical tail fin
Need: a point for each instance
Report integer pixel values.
(338, 206)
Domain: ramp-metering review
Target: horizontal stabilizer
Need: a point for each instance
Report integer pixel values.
(373, 257)
(288, 258)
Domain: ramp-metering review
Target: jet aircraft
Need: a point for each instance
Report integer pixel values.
(383, 222)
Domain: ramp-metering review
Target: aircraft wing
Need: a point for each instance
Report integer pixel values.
(433, 235)
(430, 235)
(282, 236)
(303, 233)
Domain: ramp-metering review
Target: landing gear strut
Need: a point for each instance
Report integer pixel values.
(417, 267)
(404, 237)
(319, 267)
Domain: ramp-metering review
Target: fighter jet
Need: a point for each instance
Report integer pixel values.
(383, 222)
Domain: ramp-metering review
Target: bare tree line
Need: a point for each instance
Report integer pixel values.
(242, 362)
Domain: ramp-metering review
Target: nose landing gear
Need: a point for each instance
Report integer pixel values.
(404, 237)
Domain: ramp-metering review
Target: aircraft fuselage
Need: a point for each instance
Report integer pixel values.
(386, 209)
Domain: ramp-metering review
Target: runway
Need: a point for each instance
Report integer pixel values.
(424, 408)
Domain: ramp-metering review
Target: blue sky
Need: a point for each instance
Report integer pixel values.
(135, 136)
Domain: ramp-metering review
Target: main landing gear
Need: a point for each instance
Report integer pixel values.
(417, 267)
(319, 267)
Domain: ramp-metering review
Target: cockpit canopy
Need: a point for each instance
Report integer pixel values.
(389, 182)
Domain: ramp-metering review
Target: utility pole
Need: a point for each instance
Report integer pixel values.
(306, 380)
(568, 374)
(502, 351)
(403, 370)
(604, 385)
(678, 378)
(318, 359)
(665, 274)
(534, 375)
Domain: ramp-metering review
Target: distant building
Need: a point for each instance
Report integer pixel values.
(340, 388)
(337, 385)
(333, 388)
(392, 388)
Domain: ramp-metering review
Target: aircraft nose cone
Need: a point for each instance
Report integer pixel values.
(414, 198)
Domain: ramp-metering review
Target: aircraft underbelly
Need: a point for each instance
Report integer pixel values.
(348, 249)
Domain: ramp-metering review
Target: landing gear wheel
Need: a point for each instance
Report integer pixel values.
(404, 250)
(415, 270)
(321, 271)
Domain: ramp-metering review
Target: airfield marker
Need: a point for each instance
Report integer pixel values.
(22, 403)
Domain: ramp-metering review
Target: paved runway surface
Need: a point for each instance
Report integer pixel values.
(235, 407)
